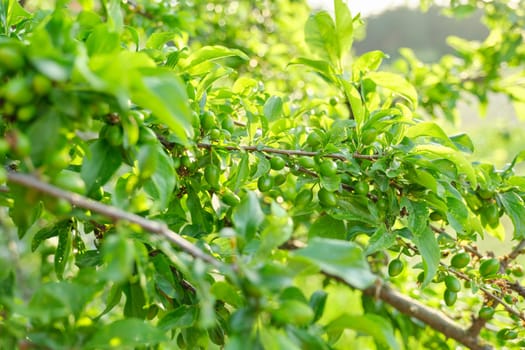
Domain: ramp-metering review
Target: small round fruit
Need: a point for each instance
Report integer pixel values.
(491, 214)
(460, 260)
(22, 146)
(11, 58)
(279, 179)
(395, 267)
(333, 101)
(265, 183)
(486, 312)
(314, 139)
(369, 136)
(517, 271)
(70, 181)
(507, 334)
(208, 121)
(489, 267)
(277, 163)
(18, 92)
(26, 113)
(230, 198)
(41, 85)
(485, 194)
(215, 134)
(307, 162)
(327, 198)
(113, 135)
(450, 297)
(146, 135)
(228, 124)
(436, 216)
(212, 174)
(362, 187)
(328, 167)
(452, 283)
(304, 197)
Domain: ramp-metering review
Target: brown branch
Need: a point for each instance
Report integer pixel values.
(427, 315)
(288, 152)
(517, 251)
(113, 213)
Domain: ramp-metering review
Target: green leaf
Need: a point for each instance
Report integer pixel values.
(157, 40)
(273, 108)
(439, 151)
(356, 103)
(60, 299)
(227, 293)
(63, 250)
(126, 333)
(344, 28)
(463, 142)
(323, 68)
(327, 227)
(52, 230)
(198, 61)
(162, 183)
(428, 247)
(396, 83)
(247, 216)
(429, 129)
(135, 300)
(367, 62)
(339, 258)
(320, 36)
(99, 165)
(118, 254)
(102, 40)
(46, 138)
(373, 325)
(182, 317)
(165, 95)
(381, 239)
(515, 209)
(114, 13)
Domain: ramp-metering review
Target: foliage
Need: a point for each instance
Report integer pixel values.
(186, 179)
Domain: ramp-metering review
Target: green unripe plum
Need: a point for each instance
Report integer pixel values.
(460, 260)
(327, 198)
(314, 139)
(307, 162)
(18, 92)
(41, 85)
(452, 284)
(328, 167)
(395, 267)
(362, 187)
(489, 267)
(279, 179)
(212, 174)
(450, 297)
(486, 312)
(11, 58)
(277, 163)
(304, 197)
(265, 183)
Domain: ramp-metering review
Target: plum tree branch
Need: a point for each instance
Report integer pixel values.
(113, 213)
(428, 315)
(288, 152)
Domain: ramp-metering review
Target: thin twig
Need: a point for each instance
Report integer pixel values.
(288, 152)
(113, 213)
